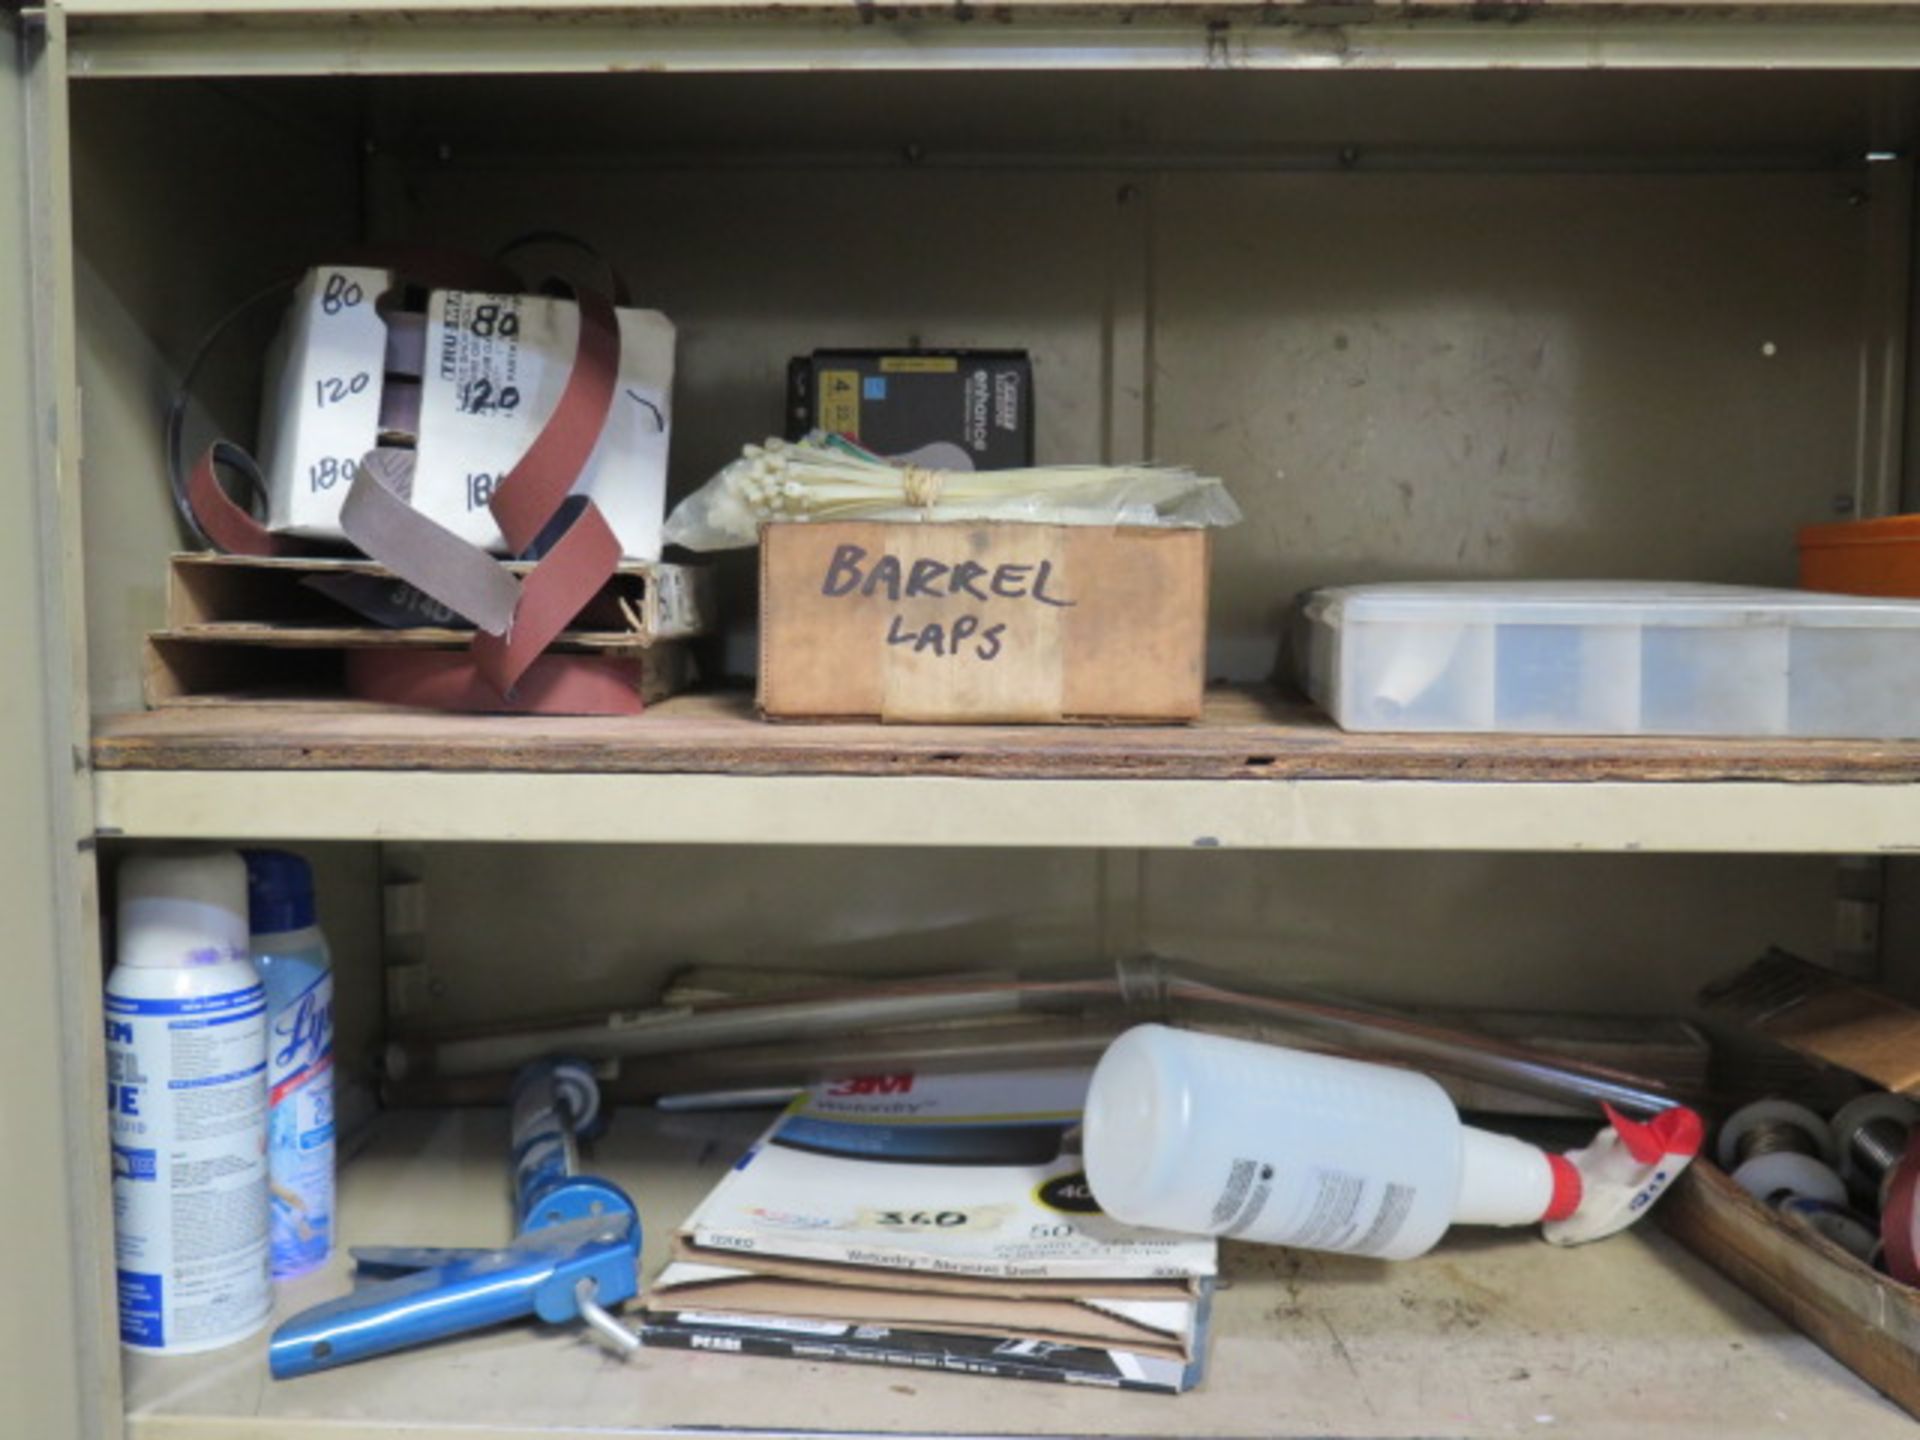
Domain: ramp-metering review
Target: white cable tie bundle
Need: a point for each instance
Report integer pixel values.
(827, 478)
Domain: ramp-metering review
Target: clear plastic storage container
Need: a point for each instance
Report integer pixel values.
(1612, 658)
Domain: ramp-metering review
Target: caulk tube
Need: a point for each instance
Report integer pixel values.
(1208, 1135)
(187, 1102)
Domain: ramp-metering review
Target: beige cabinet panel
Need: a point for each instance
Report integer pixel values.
(58, 1379)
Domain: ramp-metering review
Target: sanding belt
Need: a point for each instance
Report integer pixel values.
(505, 668)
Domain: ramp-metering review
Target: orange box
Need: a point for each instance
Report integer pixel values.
(1862, 557)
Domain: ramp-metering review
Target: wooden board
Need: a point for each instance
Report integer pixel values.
(226, 667)
(373, 637)
(245, 629)
(1825, 1016)
(982, 622)
(372, 11)
(1248, 735)
(1861, 1317)
(271, 599)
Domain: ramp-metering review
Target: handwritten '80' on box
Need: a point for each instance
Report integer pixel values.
(854, 570)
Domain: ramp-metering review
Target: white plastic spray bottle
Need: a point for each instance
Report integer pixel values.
(1208, 1135)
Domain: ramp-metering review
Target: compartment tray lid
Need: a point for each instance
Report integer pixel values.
(1602, 602)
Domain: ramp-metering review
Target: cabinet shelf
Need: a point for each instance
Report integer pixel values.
(145, 38)
(1488, 1335)
(1260, 771)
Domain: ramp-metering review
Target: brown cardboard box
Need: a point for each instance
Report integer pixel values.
(982, 622)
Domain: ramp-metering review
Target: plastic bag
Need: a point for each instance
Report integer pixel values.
(827, 478)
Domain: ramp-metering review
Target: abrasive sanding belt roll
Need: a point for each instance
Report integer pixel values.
(505, 669)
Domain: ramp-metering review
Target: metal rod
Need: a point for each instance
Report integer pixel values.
(1140, 989)
(1454, 1052)
(1878, 1146)
(675, 1031)
(623, 1341)
(750, 1098)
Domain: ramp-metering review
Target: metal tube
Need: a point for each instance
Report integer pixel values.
(1027, 1042)
(675, 1031)
(1387, 1034)
(762, 1097)
(1138, 989)
(604, 1324)
(1878, 1146)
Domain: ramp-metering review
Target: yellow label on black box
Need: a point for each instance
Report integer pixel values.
(918, 364)
(840, 402)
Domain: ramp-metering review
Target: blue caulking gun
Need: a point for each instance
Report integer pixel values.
(577, 1251)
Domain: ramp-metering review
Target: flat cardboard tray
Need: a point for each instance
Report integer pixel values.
(245, 630)
(188, 669)
(643, 603)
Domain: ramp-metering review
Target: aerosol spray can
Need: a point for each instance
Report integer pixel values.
(187, 1100)
(291, 955)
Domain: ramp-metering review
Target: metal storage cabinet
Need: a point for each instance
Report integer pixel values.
(1647, 267)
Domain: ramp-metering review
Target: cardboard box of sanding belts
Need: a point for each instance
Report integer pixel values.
(465, 386)
(982, 622)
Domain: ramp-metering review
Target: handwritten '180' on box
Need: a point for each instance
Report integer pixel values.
(978, 622)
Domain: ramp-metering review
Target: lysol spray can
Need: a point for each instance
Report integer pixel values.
(291, 955)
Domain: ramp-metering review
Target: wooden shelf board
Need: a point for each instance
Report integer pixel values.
(1250, 735)
(1493, 1334)
(1259, 772)
(136, 38)
(375, 637)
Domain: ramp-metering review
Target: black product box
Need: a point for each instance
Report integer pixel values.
(895, 402)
